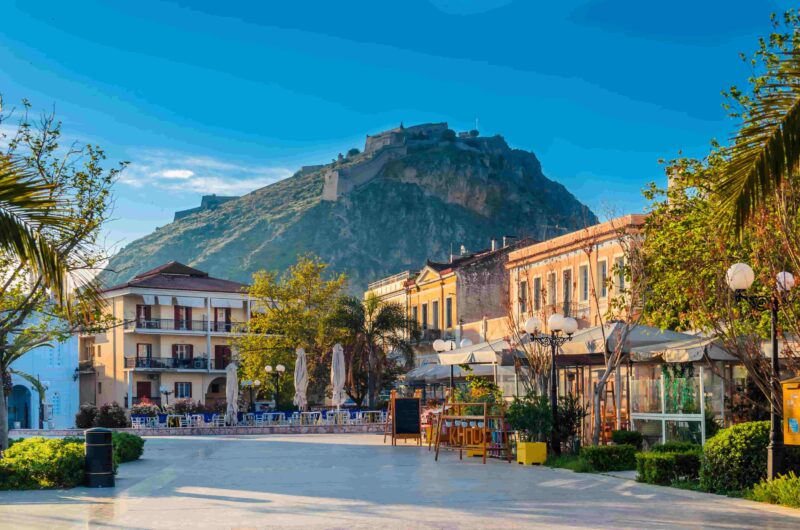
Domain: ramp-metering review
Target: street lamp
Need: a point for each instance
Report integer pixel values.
(441, 346)
(252, 385)
(164, 390)
(740, 278)
(561, 330)
(276, 374)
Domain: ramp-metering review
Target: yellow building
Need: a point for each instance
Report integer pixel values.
(569, 274)
(174, 328)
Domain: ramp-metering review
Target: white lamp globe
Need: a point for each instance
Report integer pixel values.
(785, 281)
(465, 343)
(555, 322)
(450, 345)
(740, 276)
(257, 382)
(268, 369)
(280, 368)
(570, 326)
(438, 345)
(533, 325)
(162, 389)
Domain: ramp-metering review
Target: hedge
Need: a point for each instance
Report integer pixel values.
(40, 463)
(610, 457)
(127, 447)
(667, 467)
(783, 490)
(677, 447)
(633, 438)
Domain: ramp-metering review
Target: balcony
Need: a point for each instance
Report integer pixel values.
(173, 363)
(171, 325)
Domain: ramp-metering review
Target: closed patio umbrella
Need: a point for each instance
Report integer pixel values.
(231, 393)
(338, 375)
(300, 380)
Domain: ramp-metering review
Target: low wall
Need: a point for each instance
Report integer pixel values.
(211, 431)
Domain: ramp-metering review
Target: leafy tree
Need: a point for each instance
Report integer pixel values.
(377, 333)
(53, 203)
(291, 310)
(353, 152)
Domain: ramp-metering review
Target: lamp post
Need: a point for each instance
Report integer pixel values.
(441, 346)
(164, 390)
(276, 374)
(740, 278)
(252, 385)
(561, 330)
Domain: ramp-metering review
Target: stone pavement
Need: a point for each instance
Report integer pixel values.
(353, 481)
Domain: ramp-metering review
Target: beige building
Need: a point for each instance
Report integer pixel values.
(173, 333)
(563, 274)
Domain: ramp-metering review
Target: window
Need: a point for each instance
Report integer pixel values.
(523, 297)
(448, 313)
(583, 278)
(602, 278)
(424, 316)
(537, 294)
(222, 319)
(551, 288)
(56, 402)
(182, 351)
(566, 280)
(619, 268)
(414, 315)
(435, 316)
(99, 387)
(183, 390)
(98, 351)
(183, 317)
(144, 350)
(144, 316)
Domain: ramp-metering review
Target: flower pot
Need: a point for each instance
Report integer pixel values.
(531, 452)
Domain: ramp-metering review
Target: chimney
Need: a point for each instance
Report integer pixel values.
(494, 244)
(463, 250)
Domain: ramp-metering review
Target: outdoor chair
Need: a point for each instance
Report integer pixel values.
(183, 421)
(138, 423)
(218, 420)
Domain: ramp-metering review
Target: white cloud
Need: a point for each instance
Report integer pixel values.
(197, 174)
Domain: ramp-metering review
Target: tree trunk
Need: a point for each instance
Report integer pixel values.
(371, 378)
(598, 391)
(3, 418)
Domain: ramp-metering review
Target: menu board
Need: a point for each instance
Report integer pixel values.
(406, 417)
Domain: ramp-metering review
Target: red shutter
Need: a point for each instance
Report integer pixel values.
(191, 351)
(175, 390)
(190, 390)
(216, 320)
(177, 317)
(174, 351)
(188, 318)
(228, 319)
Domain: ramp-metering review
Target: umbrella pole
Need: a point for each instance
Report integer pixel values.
(451, 376)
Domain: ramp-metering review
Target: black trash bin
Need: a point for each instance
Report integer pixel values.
(99, 466)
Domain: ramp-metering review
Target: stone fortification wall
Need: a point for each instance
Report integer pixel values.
(338, 182)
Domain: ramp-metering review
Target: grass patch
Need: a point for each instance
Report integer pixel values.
(572, 462)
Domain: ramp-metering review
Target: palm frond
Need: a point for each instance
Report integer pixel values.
(766, 148)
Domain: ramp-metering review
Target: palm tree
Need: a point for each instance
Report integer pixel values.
(766, 149)
(376, 330)
(27, 208)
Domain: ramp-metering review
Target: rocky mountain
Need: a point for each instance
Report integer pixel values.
(415, 193)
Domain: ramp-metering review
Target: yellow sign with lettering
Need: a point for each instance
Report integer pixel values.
(791, 411)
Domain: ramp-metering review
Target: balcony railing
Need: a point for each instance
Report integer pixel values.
(171, 324)
(173, 363)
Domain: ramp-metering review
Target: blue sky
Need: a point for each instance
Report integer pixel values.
(227, 96)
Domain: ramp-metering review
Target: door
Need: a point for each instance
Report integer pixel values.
(222, 356)
(222, 319)
(143, 389)
(144, 316)
(183, 317)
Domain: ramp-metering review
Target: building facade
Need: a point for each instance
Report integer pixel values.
(173, 333)
(55, 368)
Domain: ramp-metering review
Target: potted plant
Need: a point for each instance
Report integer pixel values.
(531, 417)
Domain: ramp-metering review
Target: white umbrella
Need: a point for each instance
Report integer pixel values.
(338, 375)
(300, 379)
(231, 393)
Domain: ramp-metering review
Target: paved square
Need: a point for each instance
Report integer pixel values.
(354, 481)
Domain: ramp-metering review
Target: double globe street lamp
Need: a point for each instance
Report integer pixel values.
(252, 385)
(561, 330)
(276, 374)
(740, 278)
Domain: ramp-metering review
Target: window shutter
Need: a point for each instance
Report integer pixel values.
(177, 312)
(190, 390)
(228, 317)
(175, 390)
(190, 351)
(174, 351)
(188, 318)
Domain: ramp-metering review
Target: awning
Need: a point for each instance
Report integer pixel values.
(590, 340)
(494, 352)
(684, 351)
(433, 373)
(226, 302)
(164, 300)
(188, 301)
(149, 299)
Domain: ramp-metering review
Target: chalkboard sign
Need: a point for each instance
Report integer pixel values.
(406, 417)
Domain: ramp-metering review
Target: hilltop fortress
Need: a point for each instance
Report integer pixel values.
(351, 172)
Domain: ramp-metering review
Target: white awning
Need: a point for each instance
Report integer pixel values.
(226, 302)
(639, 338)
(190, 301)
(432, 373)
(149, 299)
(683, 351)
(164, 300)
(482, 353)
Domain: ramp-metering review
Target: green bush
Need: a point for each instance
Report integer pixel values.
(667, 467)
(86, 415)
(127, 447)
(610, 457)
(676, 447)
(531, 417)
(111, 415)
(783, 490)
(633, 438)
(39, 463)
(736, 458)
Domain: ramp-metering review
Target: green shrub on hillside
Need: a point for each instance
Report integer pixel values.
(783, 490)
(40, 463)
(610, 457)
